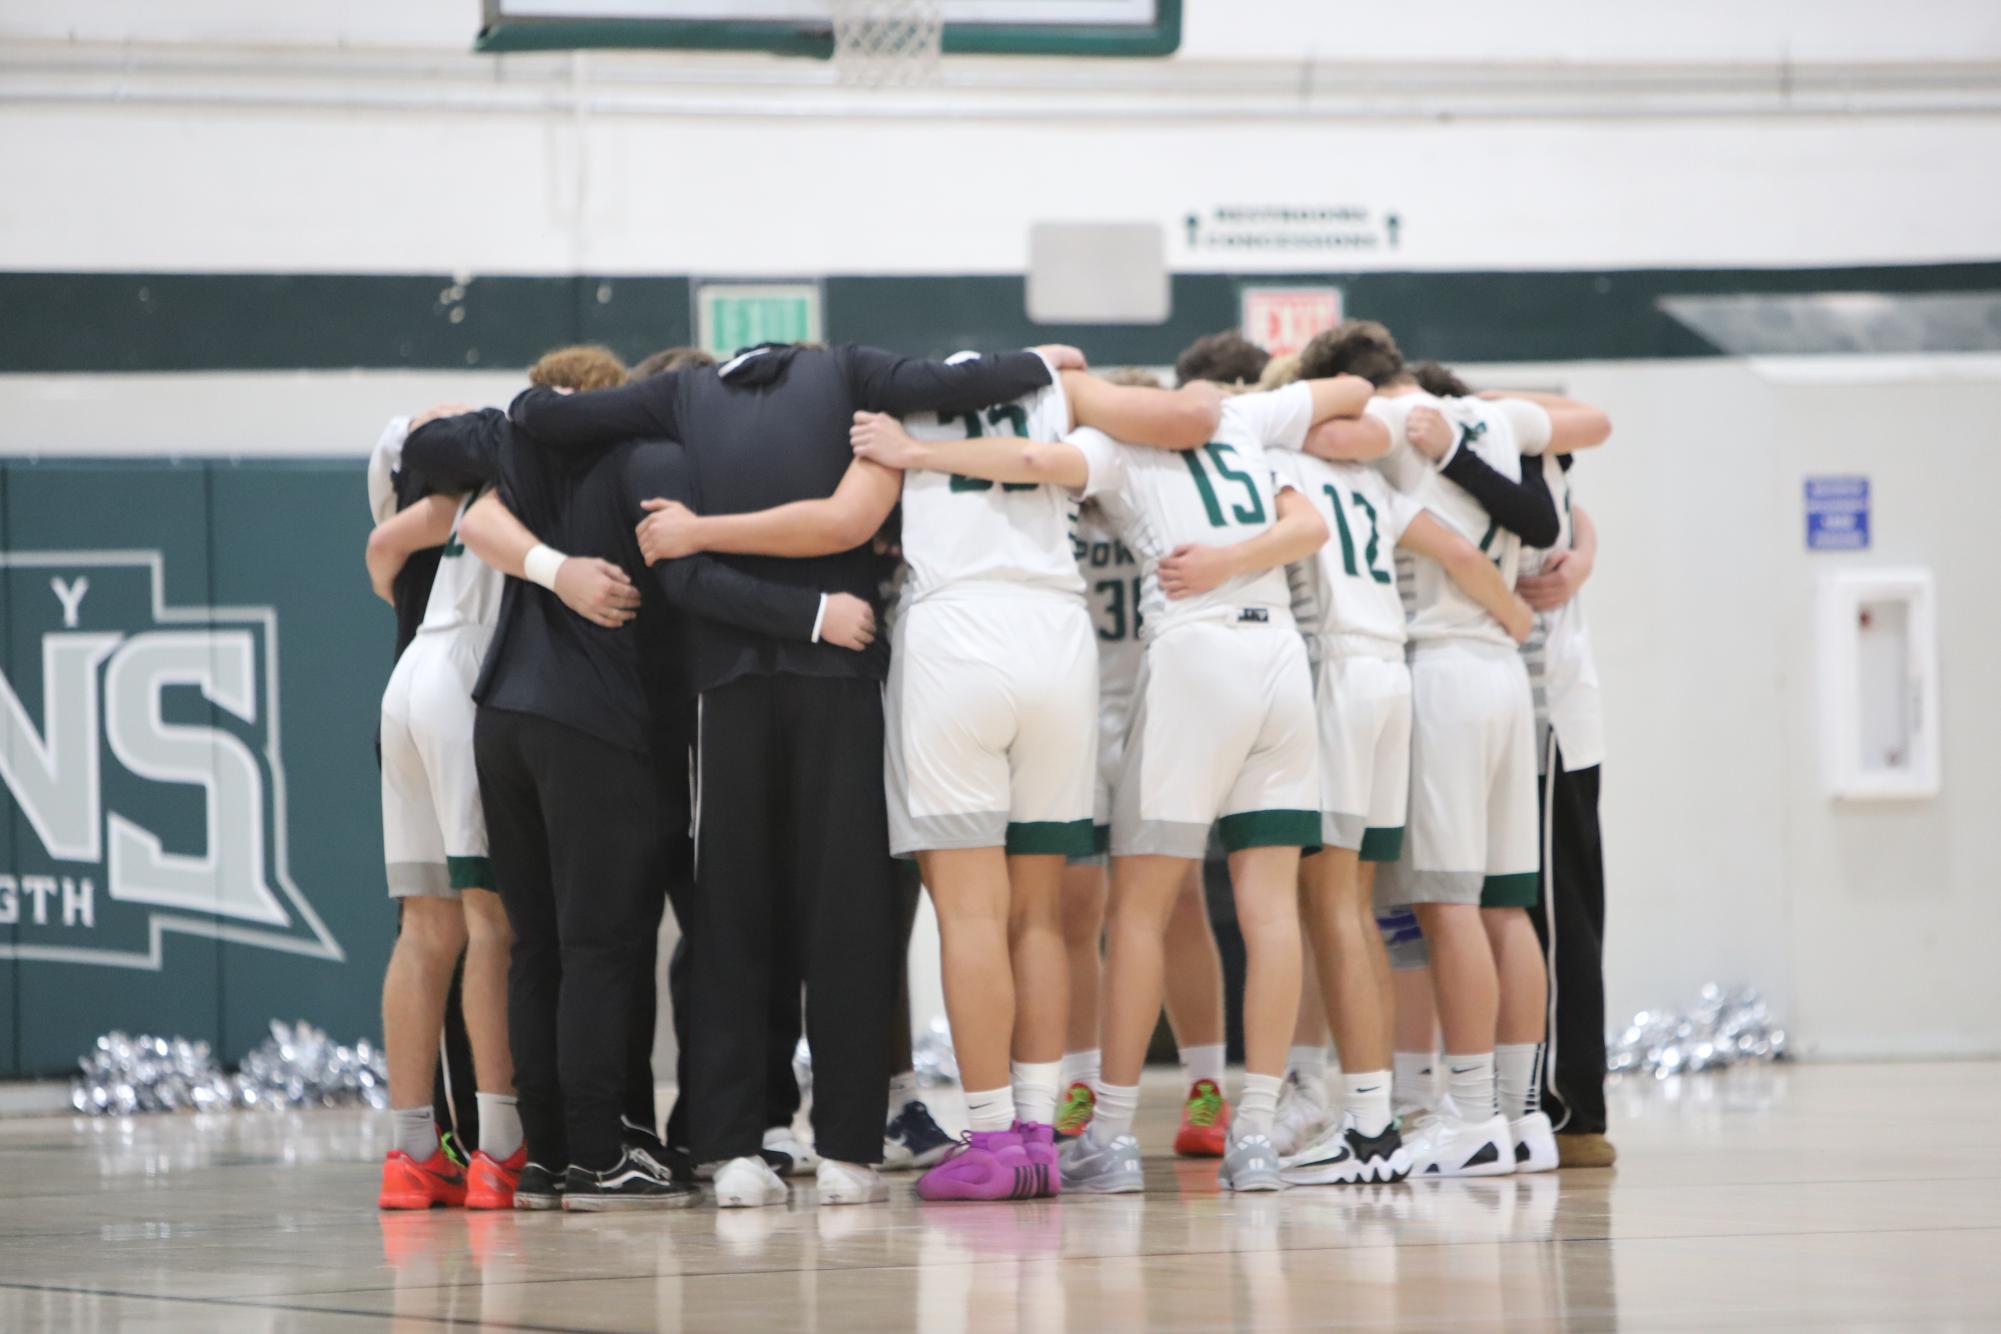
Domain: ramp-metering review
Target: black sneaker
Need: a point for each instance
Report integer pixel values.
(636, 1181)
(913, 1140)
(539, 1187)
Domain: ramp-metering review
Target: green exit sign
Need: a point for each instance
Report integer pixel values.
(730, 316)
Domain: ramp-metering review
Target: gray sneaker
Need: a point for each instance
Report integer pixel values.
(1097, 1168)
(1250, 1164)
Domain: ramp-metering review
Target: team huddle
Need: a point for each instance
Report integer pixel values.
(776, 640)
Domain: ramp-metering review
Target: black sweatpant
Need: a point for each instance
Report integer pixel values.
(791, 842)
(574, 835)
(781, 1086)
(1572, 928)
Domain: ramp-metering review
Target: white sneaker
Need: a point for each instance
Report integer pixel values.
(1444, 1145)
(747, 1183)
(781, 1139)
(1302, 1113)
(1534, 1143)
(850, 1183)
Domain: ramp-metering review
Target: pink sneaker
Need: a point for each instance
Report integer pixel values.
(1038, 1141)
(986, 1165)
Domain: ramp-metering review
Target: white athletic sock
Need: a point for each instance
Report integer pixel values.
(1308, 1062)
(1035, 1090)
(1515, 1067)
(499, 1125)
(414, 1130)
(1079, 1067)
(1257, 1105)
(1470, 1081)
(991, 1110)
(1117, 1105)
(1414, 1080)
(1205, 1062)
(1366, 1097)
(902, 1092)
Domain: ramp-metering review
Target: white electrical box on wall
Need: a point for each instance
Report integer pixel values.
(1878, 641)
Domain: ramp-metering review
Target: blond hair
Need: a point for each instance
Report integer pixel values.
(1280, 371)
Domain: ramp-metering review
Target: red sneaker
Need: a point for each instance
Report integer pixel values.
(1205, 1122)
(409, 1184)
(490, 1181)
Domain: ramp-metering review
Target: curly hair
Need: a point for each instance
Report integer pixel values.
(583, 366)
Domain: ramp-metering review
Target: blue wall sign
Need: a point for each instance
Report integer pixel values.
(1837, 514)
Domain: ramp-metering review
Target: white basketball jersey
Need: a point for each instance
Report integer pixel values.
(963, 534)
(467, 589)
(1112, 586)
(1349, 586)
(1499, 431)
(1218, 495)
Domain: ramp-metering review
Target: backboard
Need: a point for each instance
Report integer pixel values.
(804, 27)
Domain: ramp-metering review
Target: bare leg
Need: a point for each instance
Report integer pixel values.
(969, 888)
(1416, 1010)
(1142, 900)
(489, 941)
(1354, 968)
(1036, 952)
(1266, 881)
(413, 995)
(1524, 1004)
(1463, 975)
(1194, 969)
(1309, 1025)
(1083, 911)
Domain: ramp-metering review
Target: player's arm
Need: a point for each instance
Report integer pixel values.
(596, 590)
(1472, 571)
(1524, 507)
(1348, 439)
(882, 440)
(885, 382)
(426, 524)
(1563, 571)
(1193, 568)
(1573, 423)
(599, 418)
(1184, 418)
(840, 522)
(1337, 396)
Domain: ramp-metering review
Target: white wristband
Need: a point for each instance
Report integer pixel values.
(541, 565)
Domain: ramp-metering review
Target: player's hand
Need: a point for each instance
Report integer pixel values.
(1563, 574)
(880, 438)
(1063, 357)
(1427, 430)
(669, 531)
(597, 590)
(1190, 569)
(437, 410)
(849, 622)
(1520, 622)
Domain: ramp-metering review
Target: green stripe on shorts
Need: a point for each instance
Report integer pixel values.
(1031, 838)
(1510, 891)
(470, 872)
(1382, 844)
(1270, 829)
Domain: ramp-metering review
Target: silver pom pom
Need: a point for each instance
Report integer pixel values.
(932, 1056)
(295, 1067)
(1726, 1026)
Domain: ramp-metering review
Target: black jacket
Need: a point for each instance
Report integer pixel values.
(766, 429)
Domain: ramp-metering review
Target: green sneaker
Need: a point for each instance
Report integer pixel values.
(1073, 1115)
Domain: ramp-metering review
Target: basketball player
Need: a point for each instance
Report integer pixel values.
(1468, 869)
(1346, 602)
(435, 845)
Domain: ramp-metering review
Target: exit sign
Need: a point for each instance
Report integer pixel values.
(1282, 320)
(732, 316)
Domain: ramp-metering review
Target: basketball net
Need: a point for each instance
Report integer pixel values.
(883, 43)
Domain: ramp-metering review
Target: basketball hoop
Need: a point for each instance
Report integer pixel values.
(881, 43)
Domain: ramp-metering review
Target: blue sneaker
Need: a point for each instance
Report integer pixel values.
(913, 1140)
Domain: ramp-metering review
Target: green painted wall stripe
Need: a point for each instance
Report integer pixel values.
(53, 322)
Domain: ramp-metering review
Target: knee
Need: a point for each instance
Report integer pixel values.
(486, 925)
(432, 929)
